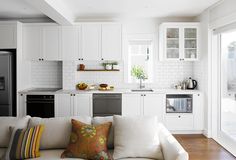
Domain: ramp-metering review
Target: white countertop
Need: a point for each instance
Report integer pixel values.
(118, 90)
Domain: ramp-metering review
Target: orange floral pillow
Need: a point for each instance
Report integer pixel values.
(88, 141)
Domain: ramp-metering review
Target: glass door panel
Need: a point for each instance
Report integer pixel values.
(228, 85)
(172, 43)
(190, 43)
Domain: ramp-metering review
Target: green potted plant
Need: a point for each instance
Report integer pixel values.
(107, 65)
(115, 65)
(139, 73)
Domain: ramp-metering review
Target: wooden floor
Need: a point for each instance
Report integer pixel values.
(201, 148)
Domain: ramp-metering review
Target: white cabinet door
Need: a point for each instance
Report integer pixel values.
(70, 43)
(132, 104)
(179, 122)
(21, 107)
(198, 111)
(154, 105)
(51, 43)
(91, 42)
(111, 42)
(83, 105)
(7, 36)
(32, 48)
(63, 105)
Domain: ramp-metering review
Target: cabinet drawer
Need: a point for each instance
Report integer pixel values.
(179, 122)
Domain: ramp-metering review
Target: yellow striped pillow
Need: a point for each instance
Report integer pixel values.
(25, 143)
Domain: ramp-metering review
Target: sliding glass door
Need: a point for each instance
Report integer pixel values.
(227, 108)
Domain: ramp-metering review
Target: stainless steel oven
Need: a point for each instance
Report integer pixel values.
(107, 104)
(40, 106)
(179, 103)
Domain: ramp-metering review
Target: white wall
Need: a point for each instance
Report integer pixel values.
(47, 74)
(200, 68)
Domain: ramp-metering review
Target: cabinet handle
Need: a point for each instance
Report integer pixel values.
(179, 116)
(42, 59)
(102, 59)
(79, 59)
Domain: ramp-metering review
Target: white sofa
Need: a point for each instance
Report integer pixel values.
(57, 132)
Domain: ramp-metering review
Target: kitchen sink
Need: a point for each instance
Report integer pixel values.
(141, 90)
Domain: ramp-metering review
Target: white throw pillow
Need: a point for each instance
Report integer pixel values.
(136, 137)
(57, 130)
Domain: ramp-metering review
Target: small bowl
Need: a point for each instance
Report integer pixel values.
(103, 85)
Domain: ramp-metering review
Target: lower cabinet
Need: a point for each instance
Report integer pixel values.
(143, 104)
(73, 105)
(187, 121)
(21, 107)
(179, 122)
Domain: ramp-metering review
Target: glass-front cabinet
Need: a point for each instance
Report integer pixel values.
(179, 41)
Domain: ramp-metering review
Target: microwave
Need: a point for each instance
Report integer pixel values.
(179, 103)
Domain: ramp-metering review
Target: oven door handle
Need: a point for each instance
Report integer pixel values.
(32, 102)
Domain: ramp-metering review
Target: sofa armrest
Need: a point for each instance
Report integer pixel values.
(171, 148)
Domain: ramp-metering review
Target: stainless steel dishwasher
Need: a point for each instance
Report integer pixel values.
(107, 104)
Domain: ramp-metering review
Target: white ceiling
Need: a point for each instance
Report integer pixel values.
(18, 9)
(107, 9)
(136, 8)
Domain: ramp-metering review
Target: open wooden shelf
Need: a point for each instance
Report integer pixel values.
(98, 70)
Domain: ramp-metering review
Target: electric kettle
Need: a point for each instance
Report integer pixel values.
(191, 83)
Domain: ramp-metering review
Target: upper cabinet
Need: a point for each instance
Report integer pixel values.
(91, 42)
(87, 41)
(51, 43)
(8, 35)
(179, 41)
(70, 43)
(32, 43)
(42, 42)
(111, 42)
(101, 42)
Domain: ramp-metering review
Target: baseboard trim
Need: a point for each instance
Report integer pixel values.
(187, 132)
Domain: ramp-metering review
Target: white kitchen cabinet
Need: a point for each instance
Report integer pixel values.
(176, 122)
(21, 107)
(112, 42)
(91, 42)
(198, 102)
(132, 104)
(83, 105)
(51, 43)
(70, 43)
(73, 105)
(64, 105)
(189, 121)
(8, 35)
(154, 105)
(136, 104)
(42, 43)
(32, 47)
(179, 41)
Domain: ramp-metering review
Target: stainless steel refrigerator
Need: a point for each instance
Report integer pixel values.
(7, 84)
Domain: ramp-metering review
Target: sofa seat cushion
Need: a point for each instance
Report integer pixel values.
(2, 152)
(57, 131)
(5, 123)
(55, 155)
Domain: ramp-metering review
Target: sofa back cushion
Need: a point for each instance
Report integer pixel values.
(57, 131)
(6, 123)
(136, 137)
(101, 120)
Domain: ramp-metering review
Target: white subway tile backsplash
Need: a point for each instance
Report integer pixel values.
(47, 74)
(166, 74)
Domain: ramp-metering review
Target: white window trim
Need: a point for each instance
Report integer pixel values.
(127, 38)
